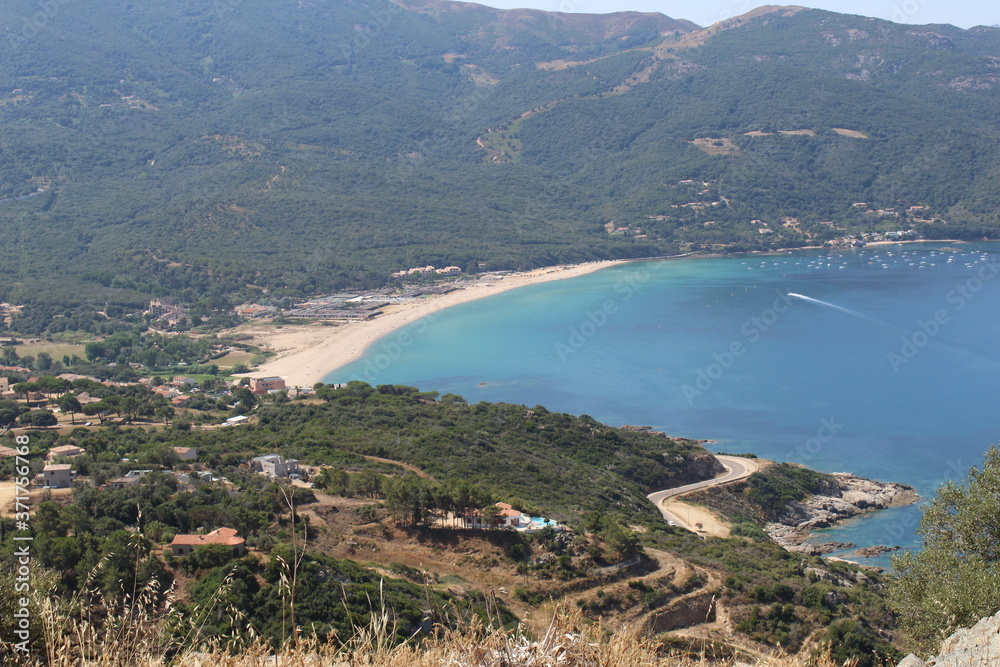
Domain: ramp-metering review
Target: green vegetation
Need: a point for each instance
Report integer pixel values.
(193, 161)
(764, 495)
(116, 356)
(105, 543)
(778, 597)
(955, 579)
(510, 451)
(778, 485)
(167, 149)
(259, 592)
(590, 475)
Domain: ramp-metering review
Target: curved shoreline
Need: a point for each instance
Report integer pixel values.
(309, 353)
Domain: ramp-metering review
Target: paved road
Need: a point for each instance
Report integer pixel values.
(737, 468)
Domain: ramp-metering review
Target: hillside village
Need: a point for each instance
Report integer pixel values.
(50, 404)
(701, 218)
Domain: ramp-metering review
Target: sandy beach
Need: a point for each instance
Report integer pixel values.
(308, 353)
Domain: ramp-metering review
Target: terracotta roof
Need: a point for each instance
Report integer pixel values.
(62, 449)
(225, 536)
(506, 509)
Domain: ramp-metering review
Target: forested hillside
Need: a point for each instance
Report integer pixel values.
(218, 149)
(561, 464)
(378, 530)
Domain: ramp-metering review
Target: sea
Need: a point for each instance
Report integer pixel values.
(882, 361)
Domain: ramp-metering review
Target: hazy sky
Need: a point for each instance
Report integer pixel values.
(963, 13)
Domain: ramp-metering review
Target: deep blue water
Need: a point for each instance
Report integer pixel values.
(886, 365)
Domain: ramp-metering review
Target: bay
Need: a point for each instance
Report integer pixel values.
(881, 361)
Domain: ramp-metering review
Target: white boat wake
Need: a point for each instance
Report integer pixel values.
(836, 307)
(907, 332)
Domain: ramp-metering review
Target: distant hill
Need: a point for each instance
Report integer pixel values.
(216, 150)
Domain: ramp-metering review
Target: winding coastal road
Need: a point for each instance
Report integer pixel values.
(737, 468)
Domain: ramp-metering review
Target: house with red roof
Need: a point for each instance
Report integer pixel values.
(185, 544)
(68, 451)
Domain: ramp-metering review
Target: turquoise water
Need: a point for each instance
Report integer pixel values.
(883, 363)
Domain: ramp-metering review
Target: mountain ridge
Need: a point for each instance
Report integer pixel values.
(315, 147)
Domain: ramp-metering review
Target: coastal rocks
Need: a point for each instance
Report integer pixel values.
(978, 646)
(877, 550)
(822, 548)
(847, 497)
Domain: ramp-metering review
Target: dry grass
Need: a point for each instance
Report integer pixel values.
(142, 628)
(233, 358)
(56, 350)
(132, 638)
(844, 132)
(716, 146)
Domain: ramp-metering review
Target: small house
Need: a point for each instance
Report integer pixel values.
(68, 451)
(183, 545)
(131, 478)
(274, 465)
(508, 517)
(186, 453)
(56, 476)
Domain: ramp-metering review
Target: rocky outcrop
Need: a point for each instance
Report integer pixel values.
(823, 548)
(848, 497)
(978, 646)
(877, 550)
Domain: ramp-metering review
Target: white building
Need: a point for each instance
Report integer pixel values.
(274, 465)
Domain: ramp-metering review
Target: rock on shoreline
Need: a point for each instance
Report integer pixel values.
(848, 497)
